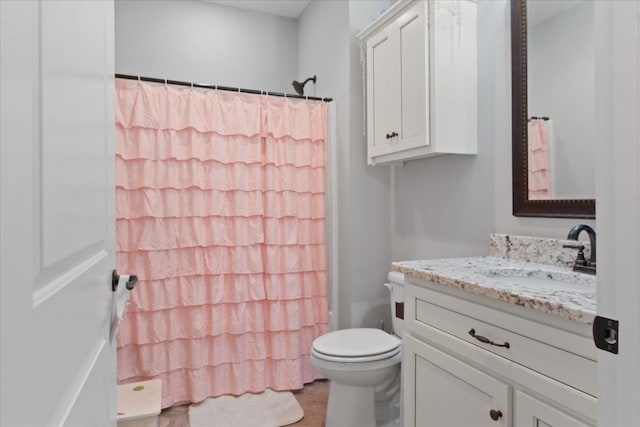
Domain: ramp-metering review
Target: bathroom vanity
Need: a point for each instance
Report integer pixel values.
(497, 341)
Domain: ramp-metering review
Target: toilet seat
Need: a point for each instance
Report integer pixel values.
(355, 359)
(356, 345)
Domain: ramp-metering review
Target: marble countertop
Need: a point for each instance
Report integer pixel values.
(513, 281)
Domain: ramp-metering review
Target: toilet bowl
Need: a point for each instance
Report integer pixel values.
(363, 366)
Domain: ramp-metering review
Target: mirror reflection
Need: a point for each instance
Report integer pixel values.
(560, 99)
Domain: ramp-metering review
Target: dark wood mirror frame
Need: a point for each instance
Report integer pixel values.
(522, 206)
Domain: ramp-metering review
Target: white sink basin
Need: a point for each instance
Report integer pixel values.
(555, 280)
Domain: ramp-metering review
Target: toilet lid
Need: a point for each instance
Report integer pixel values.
(359, 359)
(357, 342)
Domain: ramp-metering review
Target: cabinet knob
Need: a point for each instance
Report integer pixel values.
(495, 414)
(391, 135)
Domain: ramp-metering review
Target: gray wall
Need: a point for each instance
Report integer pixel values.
(445, 205)
(327, 47)
(368, 194)
(561, 76)
(199, 41)
(438, 207)
(206, 42)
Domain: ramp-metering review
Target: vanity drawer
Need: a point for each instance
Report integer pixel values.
(549, 351)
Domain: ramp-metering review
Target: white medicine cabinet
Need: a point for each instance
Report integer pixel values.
(421, 78)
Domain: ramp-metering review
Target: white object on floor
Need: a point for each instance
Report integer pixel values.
(267, 409)
(139, 404)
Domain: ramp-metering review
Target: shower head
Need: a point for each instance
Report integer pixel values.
(299, 87)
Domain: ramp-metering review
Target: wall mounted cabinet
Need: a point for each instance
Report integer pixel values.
(546, 376)
(421, 78)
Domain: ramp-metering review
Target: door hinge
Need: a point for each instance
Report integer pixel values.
(605, 334)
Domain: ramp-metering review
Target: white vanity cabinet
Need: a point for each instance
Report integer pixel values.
(538, 370)
(421, 77)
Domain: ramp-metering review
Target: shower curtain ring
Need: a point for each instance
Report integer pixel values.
(165, 82)
(138, 77)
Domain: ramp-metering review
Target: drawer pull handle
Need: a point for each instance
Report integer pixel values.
(486, 340)
(495, 415)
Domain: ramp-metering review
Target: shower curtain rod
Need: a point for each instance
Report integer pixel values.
(217, 87)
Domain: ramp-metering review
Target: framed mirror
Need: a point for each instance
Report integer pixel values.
(553, 108)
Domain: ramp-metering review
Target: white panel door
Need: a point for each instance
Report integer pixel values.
(617, 56)
(57, 213)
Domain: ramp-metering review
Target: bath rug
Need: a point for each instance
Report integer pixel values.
(267, 409)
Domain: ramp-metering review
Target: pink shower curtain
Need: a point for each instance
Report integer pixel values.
(538, 160)
(221, 213)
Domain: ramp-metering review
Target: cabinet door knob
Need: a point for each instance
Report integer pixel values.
(495, 415)
(391, 135)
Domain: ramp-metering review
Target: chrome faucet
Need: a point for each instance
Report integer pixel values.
(581, 263)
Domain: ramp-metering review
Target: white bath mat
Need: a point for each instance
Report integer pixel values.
(267, 409)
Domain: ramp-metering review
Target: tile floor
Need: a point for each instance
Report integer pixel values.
(312, 398)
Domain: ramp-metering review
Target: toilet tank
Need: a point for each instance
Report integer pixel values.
(396, 288)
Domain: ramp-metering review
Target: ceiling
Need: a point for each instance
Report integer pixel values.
(288, 8)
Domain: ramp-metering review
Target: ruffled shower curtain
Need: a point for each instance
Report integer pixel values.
(221, 213)
(539, 164)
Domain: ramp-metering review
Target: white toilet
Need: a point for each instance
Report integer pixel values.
(363, 366)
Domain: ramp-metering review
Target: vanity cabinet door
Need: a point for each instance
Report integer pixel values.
(531, 412)
(442, 390)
